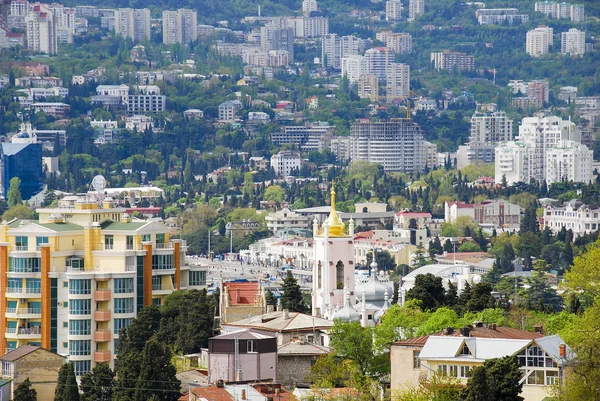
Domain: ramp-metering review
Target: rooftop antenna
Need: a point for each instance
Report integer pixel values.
(98, 185)
(259, 10)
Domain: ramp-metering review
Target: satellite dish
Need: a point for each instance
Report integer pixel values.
(99, 183)
(476, 279)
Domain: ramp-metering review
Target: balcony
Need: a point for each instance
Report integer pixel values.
(163, 245)
(18, 292)
(23, 333)
(21, 248)
(24, 313)
(102, 336)
(102, 315)
(101, 356)
(102, 295)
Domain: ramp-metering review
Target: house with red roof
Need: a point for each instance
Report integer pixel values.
(454, 210)
(239, 300)
(402, 219)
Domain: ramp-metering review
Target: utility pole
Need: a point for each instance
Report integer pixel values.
(209, 258)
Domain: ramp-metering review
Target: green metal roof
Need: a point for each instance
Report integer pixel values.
(113, 225)
(4, 382)
(59, 227)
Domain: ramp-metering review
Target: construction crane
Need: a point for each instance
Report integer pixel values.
(408, 103)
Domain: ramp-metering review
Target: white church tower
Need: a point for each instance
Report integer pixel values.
(333, 268)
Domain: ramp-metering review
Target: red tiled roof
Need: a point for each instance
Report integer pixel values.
(508, 333)
(212, 393)
(461, 205)
(242, 293)
(406, 213)
(268, 390)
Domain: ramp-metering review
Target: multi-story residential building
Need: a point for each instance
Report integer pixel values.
(397, 81)
(511, 163)
(139, 123)
(286, 219)
(572, 42)
(180, 26)
(309, 6)
(355, 66)
(334, 48)
(393, 10)
(368, 87)
(431, 155)
(24, 161)
(285, 162)
(488, 130)
(274, 38)
(398, 145)
(378, 59)
(148, 100)
(569, 161)
(54, 109)
(497, 213)
(40, 30)
(133, 23)
(402, 219)
(498, 16)
(305, 137)
(399, 42)
(555, 10)
(573, 215)
(538, 41)
(79, 274)
(64, 19)
(451, 61)
(310, 27)
(228, 110)
(415, 8)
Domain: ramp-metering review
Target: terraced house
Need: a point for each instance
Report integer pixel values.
(76, 277)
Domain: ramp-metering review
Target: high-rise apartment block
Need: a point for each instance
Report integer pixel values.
(572, 42)
(398, 145)
(569, 161)
(498, 16)
(77, 276)
(133, 23)
(538, 41)
(526, 158)
(489, 129)
(399, 42)
(415, 8)
(397, 81)
(555, 10)
(393, 10)
(451, 61)
(309, 6)
(353, 67)
(273, 38)
(334, 48)
(378, 59)
(368, 87)
(180, 26)
(40, 30)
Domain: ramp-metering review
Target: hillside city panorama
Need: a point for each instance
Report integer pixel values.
(308, 200)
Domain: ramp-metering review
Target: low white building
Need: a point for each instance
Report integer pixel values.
(285, 162)
(286, 219)
(139, 122)
(454, 210)
(573, 215)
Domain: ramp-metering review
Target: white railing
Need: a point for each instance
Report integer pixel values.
(21, 248)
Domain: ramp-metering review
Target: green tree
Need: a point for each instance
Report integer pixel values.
(496, 380)
(20, 211)
(291, 297)
(529, 222)
(98, 384)
(14, 192)
(420, 259)
(274, 193)
(25, 392)
(481, 297)
(66, 386)
(429, 290)
(270, 298)
(329, 371)
(157, 380)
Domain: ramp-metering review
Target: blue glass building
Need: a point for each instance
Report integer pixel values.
(23, 160)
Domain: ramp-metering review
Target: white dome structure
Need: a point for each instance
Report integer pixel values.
(347, 314)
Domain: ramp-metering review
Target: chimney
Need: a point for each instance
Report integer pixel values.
(286, 314)
(449, 330)
(465, 331)
(243, 394)
(270, 308)
(538, 328)
(493, 326)
(562, 348)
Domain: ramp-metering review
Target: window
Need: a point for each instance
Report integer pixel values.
(121, 324)
(156, 301)
(5, 368)
(24, 265)
(156, 283)
(21, 243)
(15, 285)
(464, 371)
(123, 285)
(80, 287)
(65, 304)
(66, 325)
(116, 345)
(108, 242)
(65, 284)
(465, 350)
(162, 262)
(552, 377)
(146, 238)
(160, 239)
(536, 377)
(416, 360)
(40, 241)
(65, 345)
(250, 346)
(129, 242)
(80, 327)
(33, 285)
(123, 305)
(80, 307)
(198, 278)
(443, 370)
(319, 278)
(81, 367)
(339, 275)
(80, 347)
(74, 263)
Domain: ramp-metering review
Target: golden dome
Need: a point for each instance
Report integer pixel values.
(336, 225)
